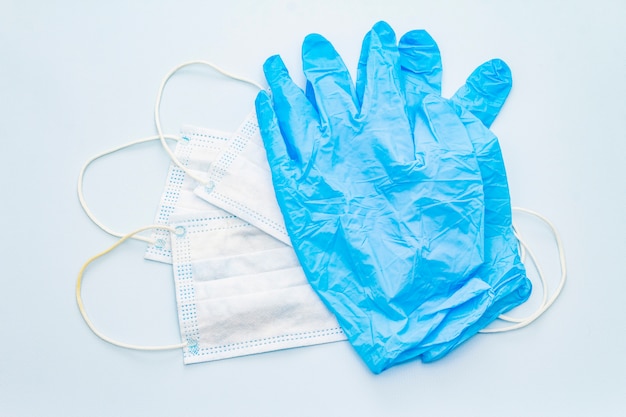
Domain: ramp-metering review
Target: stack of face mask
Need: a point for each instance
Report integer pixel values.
(395, 200)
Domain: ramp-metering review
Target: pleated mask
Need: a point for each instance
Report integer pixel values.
(239, 290)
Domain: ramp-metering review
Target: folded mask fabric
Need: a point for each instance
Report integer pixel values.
(239, 181)
(240, 291)
(386, 213)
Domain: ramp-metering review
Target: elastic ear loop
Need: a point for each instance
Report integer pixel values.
(157, 109)
(546, 302)
(81, 177)
(81, 306)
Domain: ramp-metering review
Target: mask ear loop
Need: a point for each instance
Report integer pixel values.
(161, 137)
(81, 306)
(546, 302)
(81, 177)
(157, 110)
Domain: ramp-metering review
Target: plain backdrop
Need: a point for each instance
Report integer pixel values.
(80, 77)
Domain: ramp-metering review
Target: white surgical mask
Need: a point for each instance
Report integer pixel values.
(239, 290)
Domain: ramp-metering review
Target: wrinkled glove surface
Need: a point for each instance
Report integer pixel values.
(386, 214)
(477, 104)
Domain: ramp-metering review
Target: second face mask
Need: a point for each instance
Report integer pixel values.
(240, 291)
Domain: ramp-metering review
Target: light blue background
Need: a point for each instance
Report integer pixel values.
(79, 77)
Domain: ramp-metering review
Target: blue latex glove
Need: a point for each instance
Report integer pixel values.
(479, 100)
(387, 221)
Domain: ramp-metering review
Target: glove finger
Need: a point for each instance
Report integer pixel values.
(379, 83)
(275, 146)
(379, 90)
(486, 90)
(329, 85)
(361, 71)
(420, 61)
(420, 73)
(297, 118)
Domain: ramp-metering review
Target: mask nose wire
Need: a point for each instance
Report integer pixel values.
(81, 306)
(157, 109)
